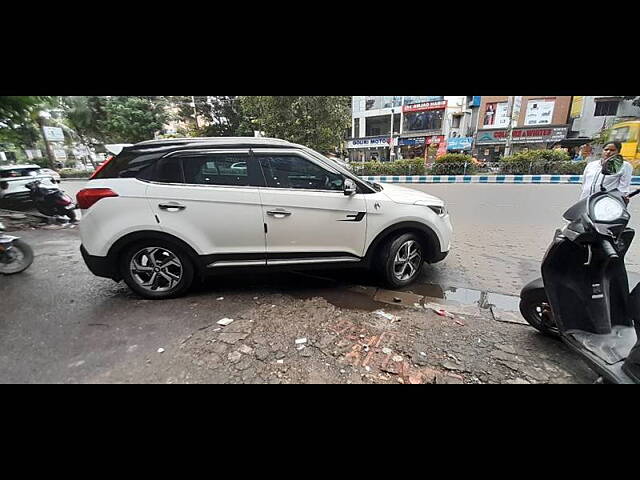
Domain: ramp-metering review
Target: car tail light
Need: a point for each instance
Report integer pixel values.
(89, 196)
(101, 166)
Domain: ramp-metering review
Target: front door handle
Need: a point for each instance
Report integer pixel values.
(171, 206)
(278, 212)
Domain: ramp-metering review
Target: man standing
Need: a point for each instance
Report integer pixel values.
(609, 173)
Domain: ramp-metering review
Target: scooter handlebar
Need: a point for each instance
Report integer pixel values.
(632, 194)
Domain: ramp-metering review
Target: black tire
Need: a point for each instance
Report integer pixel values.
(386, 260)
(155, 248)
(534, 307)
(27, 259)
(72, 215)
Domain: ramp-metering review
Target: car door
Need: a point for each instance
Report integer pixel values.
(309, 219)
(211, 200)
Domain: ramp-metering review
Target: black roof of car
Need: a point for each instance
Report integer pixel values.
(257, 142)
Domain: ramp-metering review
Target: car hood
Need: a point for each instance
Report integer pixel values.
(408, 195)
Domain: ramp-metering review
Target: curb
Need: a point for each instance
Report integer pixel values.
(547, 179)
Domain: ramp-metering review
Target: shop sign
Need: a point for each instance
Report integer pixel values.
(435, 139)
(460, 143)
(60, 153)
(424, 106)
(53, 134)
(411, 141)
(368, 142)
(527, 135)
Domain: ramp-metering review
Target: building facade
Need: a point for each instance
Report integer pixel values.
(591, 115)
(538, 122)
(387, 128)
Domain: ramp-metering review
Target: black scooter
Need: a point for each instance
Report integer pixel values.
(583, 296)
(51, 201)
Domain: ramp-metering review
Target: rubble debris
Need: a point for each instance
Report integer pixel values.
(300, 341)
(161, 350)
(225, 321)
(386, 315)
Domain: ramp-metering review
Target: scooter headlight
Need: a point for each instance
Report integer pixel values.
(607, 209)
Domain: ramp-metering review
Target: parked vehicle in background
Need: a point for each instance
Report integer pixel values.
(54, 175)
(51, 201)
(165, 211)
(628, 133)
(13, 179)
(15, 255)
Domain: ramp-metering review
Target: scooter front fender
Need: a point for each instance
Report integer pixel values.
(536, 284)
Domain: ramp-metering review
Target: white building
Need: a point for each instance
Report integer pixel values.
(398, 127)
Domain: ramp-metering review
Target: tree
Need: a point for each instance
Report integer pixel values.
(316, 121)
(132, 119)
(18, 118)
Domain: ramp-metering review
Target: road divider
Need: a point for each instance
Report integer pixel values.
(559, 179)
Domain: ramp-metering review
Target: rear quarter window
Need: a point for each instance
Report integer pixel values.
(126, 165)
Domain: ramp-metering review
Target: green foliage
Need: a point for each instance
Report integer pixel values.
(72, 173)
(453, 164)
(536, 162)
(132, 119)
(399, 167)
(18, 118)
(318, 122)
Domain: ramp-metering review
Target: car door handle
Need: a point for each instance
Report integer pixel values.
(278, 212)
(171, 206)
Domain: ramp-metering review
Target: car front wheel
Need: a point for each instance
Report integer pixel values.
(401, 260)
(156, 269)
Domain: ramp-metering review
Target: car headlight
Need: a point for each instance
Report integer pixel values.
(440, 210)
(607, 209)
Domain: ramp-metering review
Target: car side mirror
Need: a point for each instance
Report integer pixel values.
(349, 187)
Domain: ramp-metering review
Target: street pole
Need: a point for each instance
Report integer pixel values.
(46, 143)
(195, 112)
(507, 147)
(391, 153)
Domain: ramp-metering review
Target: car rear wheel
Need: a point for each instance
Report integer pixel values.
(401, 260)
(157, 269)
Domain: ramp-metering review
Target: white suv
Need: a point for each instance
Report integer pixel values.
(164, 211)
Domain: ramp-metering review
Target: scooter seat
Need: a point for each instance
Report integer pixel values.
(611, 347)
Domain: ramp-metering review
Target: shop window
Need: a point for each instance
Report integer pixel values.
(455, 121)
(356, 128)
(429, 120)
(606, 109)
(380, 125)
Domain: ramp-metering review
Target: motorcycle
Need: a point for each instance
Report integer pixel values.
(583, 297)
(51, 201)
(15, 255)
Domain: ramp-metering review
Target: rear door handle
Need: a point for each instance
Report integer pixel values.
(278, 212)
(171, 206)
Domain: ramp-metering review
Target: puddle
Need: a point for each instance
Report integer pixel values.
(370, 298)
(465, 296)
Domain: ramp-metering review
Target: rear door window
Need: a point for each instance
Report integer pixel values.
(221, 169)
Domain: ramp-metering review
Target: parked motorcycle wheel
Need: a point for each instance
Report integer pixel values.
(535, 308)
(17, 259)
(72, 215)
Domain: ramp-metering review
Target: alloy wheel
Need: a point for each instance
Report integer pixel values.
(156, 269)
(407, 261)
